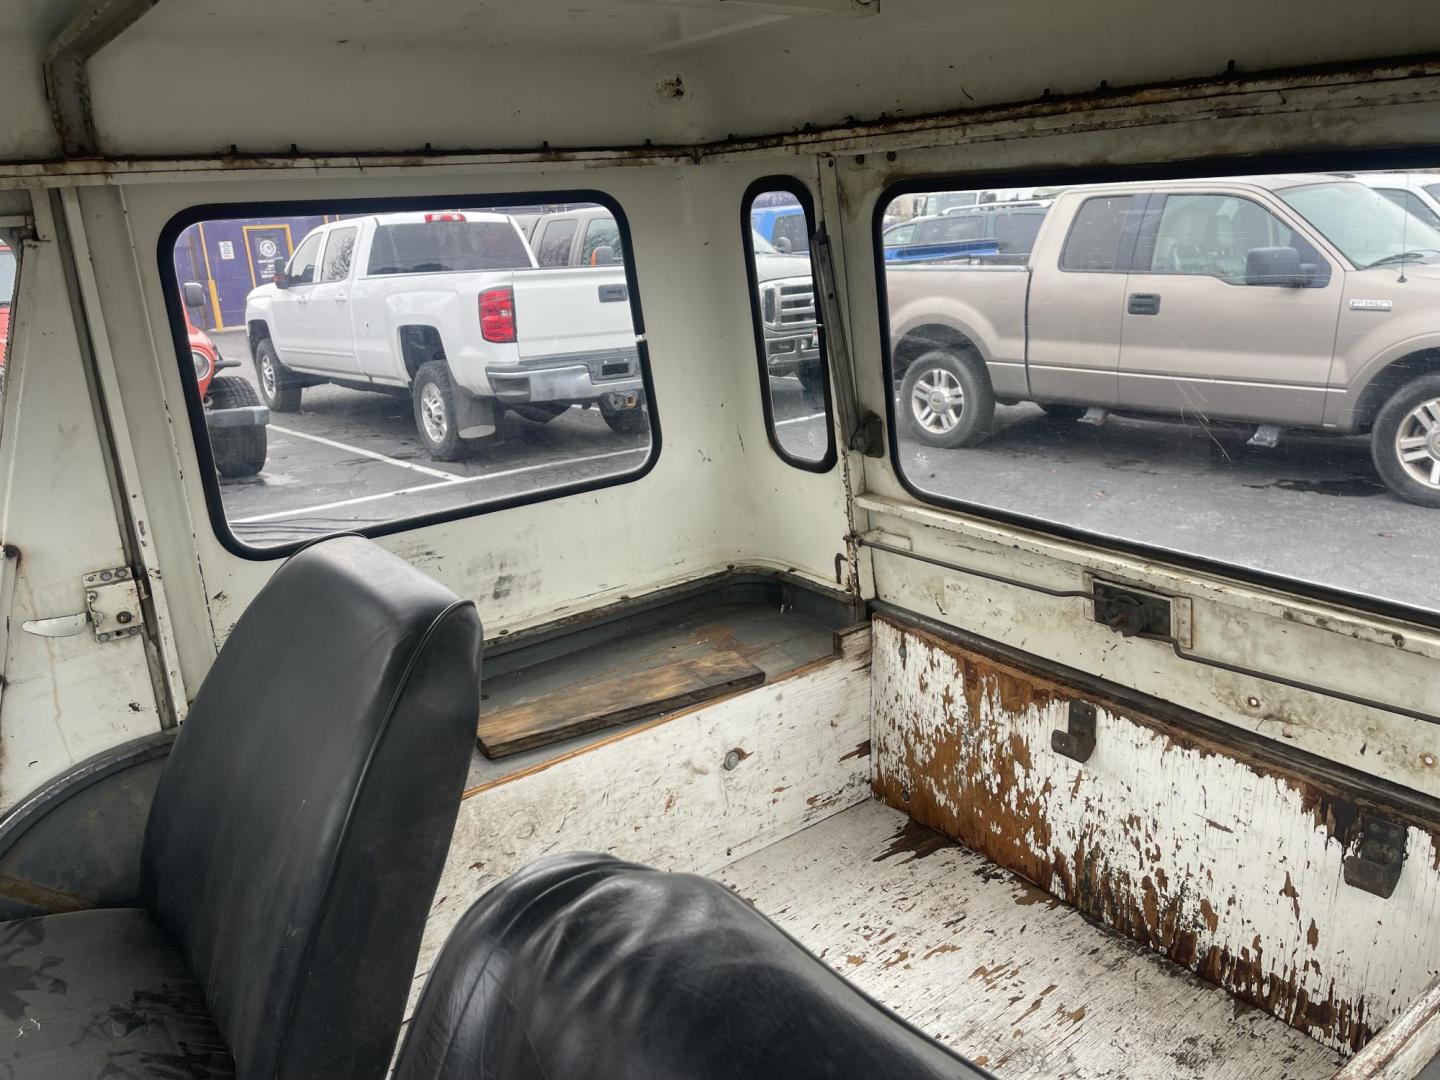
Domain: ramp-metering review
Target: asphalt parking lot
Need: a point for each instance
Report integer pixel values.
(1311, 508)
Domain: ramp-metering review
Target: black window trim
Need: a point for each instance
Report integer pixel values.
(1394, 160)
(794, 186)
(194, 408)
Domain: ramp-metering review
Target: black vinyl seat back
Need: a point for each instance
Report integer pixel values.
(303, 819)
(582, 966)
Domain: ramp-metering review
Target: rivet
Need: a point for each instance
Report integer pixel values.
(1427, 759)
(1253, 702)
(124, 617)
(732, 759)
(104, 575)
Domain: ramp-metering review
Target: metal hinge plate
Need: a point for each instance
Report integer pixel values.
(112, 600)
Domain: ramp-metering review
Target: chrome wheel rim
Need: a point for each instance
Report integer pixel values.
(267, 376)
(432, 413)
(1417, 443)
(937, 401)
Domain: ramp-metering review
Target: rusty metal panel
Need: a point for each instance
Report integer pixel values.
(1231, 866)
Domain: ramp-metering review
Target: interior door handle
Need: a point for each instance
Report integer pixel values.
(1144, 303)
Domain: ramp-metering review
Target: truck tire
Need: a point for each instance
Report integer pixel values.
(433, 393)
(1062, 412)
(279, 386)
(1405, 441)
(812, 379)
(625, 421)
(238, 451)
(947, 399)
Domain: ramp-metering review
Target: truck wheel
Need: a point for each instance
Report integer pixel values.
(238, 451)
(812, 379)
(433, 392)
(1062, 412)
(947, 399)
(1405, 442)
(633, 421)
(539, 412)
(279, 386)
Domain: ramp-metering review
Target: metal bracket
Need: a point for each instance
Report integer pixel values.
(1078, 740)
(112, 608)
(864, 434)
(1380, 855)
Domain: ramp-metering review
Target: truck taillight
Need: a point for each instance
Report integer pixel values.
(444, 217)
(497, 314)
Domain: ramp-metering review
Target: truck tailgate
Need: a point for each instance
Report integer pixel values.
(572, 311)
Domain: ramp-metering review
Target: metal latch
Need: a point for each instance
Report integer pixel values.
(1376, 865)
(1132, 612)
(112, 608)
(1078, 740)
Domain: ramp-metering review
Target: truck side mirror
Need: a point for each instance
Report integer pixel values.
(194, 295)
(783, 245)
(281, 279)
(604, 255)
(1276, 266)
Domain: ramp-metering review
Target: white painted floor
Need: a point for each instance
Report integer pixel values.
(1000, 970)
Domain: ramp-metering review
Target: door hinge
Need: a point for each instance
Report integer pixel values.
(1379, 856)
(112, 608)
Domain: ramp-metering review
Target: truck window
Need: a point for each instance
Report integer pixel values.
(600, 232)
(789, 341)
(452, 376)
(1214, 235)
(793, 231)
(1094, 240)
(1245, 373)
(339, 247)
(301, 270)
(1413, 203)
(454, 245)
(555, 240)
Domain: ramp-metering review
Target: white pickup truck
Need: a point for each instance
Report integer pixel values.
(451, 307)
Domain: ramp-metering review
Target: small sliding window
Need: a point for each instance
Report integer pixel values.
(1236, 370)
(777, 220)
(374, 366)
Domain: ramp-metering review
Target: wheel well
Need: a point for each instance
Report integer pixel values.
(1393, 376)
(259, 331)
(419, 344)
(921, 340)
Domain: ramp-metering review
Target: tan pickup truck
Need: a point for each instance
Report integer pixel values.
(1300, 301)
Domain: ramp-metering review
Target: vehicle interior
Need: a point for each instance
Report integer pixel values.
(688, 655)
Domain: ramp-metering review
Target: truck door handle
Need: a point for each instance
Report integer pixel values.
(1144, 303)
(611, 294)
(340, 298)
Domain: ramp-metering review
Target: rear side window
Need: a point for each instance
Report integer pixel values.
(1094, 240)
(1015, 231)
(454, 378)
(601, 233)
(555, 240)
(1412, 202)
(430, 247)
(339, 249)
(789, 338)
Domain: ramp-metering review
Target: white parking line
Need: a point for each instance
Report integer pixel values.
(454, 481)
(797, 419)
(367, 453)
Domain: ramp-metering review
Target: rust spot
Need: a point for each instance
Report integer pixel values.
(669, 802)
(1217, 825)
(1312, 936)
(1208, 915)
(915, 840)
(854, 961)
(1289, 890)
(899, 958)
(938, 949)
(861, 750)
(1074, 1017)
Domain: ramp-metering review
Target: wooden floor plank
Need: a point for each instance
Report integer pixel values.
(1000, 970)
(588, 706)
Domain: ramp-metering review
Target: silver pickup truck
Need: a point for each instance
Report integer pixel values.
(1308, 302)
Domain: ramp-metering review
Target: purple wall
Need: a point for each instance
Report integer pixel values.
(230, 257)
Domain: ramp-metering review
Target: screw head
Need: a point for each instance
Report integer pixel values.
(124, 617)
(732, 759)
(102, 637)
(1427, 759)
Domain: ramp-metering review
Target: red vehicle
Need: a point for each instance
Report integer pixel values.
(7, 291)
(234, 416)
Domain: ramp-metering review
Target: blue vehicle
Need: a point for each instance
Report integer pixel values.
(783, 227)
(992, 230)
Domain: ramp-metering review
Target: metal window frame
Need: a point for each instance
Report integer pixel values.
(165, 248)
(794, 186)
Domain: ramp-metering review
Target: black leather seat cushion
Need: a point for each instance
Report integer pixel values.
(581, 967)
(102, 995)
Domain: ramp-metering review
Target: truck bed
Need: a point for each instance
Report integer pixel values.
(1000, 970)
